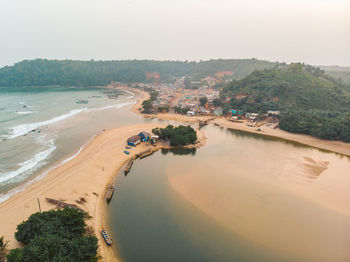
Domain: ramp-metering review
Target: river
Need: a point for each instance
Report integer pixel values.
(241, 197)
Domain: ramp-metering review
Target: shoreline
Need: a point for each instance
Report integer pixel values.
(338, 147)
(95, 166)
(86, 175)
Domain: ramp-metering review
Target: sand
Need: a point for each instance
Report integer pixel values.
(328, 145)
(89, 173)
(87, 176)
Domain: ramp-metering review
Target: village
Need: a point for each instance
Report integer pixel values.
(202, 99)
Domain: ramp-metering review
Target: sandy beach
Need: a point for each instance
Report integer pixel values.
(89, 173)
(85, 176)
(328, 145)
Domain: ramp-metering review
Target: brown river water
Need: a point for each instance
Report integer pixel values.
(241, 197)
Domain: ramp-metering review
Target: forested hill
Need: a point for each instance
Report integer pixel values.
(310, 101)
(41, 72)
(341, 72)
(294, 86)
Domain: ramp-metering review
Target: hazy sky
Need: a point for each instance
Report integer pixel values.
(311, 31)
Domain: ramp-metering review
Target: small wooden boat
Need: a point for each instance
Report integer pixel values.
(128, 166)
(110, 192)
(126, 152)
(106, 237)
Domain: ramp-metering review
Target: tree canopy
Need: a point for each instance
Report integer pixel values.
(55, 235)
(310, 101)
(178, 136)
(43, 72)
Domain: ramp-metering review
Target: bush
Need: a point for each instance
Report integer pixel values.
(178, 136)
(56, 235)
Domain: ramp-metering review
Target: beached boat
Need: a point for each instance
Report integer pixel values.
(106, 237)
(126, 152)
(110, 192)
(128, 166)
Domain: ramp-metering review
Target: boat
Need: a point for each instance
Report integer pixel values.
(146, 153)
(106, 237)
(128, 166)
(110, 192)
(126, 152)
(81, 101)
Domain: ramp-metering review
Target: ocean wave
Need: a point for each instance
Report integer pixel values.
(26, 128)
(31, 164)
(25, 112)
(12, 192)
(116, 106)
(132, 94)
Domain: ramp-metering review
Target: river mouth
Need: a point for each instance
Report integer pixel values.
(242, 197)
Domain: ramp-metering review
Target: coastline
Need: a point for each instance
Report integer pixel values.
(86, 175)
(89, 172)
(327, 145)
(339, 147)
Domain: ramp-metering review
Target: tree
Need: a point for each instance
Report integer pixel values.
(147, 106)
(3, 248)
(217, 102)
(177, 136)
(203, 100)
(55, 235)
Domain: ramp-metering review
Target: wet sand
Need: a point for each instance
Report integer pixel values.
(290, 199)
(88, 174)
(85, 176)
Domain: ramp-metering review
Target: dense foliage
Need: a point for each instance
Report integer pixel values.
(42, 72)
(178, 136)
(310, 101)
(340, 72)
(203, 100)
(56, 235)
(147, 105)
(3, 248)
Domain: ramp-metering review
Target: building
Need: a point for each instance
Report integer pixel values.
(273, 113)
(154, 139)
(251, 116)
(144, 136)
(191, 113)
(133, 140)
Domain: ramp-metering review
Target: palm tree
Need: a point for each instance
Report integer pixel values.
(3, 248)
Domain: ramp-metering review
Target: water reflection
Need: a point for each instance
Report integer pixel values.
(241, 197)
(179, 151)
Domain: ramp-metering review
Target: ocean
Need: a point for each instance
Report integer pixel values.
(40, 126)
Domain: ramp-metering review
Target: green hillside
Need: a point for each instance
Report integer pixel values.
(310, 101)
(340, 72)
(42, 72)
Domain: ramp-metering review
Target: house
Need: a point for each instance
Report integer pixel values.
(251, 116)
(236, 112)
(133, 140)
(191, 113)
(273, 113)
(154, 139)
(218, 111)
(144, 136)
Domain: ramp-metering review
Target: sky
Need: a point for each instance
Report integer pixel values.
(312, 31)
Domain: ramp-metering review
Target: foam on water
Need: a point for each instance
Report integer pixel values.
(25, 112)
(132, 94)
(26, 128)
(115, 106)
(31, 164)
(7, 195)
